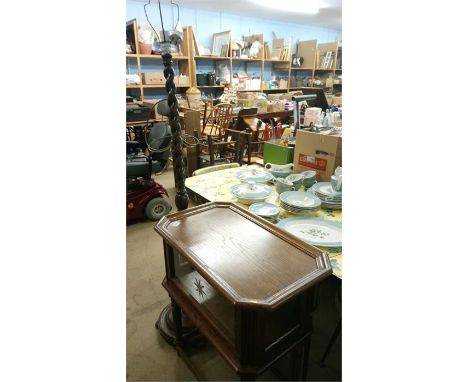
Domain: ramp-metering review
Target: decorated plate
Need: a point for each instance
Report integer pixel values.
(326, 189)
(300, 199)
(315, 231)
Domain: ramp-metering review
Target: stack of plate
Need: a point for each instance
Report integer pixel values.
(330, 198)
(299, 202)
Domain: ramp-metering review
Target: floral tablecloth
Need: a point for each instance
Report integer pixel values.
(215, 187)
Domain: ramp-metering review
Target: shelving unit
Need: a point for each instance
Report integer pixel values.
(183, 62)
(188, 62)
(327, 73)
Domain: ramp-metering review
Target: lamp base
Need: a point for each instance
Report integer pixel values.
(166, 327)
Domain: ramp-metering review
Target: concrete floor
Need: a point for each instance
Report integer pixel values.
(150, 358)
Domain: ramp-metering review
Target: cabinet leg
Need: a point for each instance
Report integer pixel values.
(247, 377)
(333, 338)
(296, 363)
(305, 359)
(177, 315)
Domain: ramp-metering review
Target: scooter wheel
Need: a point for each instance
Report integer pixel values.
(157, 208)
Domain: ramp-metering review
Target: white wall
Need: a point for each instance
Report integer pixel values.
(205, 23)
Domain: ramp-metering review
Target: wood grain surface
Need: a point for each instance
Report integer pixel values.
(249, 260)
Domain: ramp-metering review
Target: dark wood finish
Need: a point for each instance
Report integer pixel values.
(228, 148)
(250, 295)
(273, 114)
(181, 198)
(213, 238)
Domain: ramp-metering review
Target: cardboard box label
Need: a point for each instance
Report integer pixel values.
(310, 161)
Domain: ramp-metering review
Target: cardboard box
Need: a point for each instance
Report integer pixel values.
(319, 152)
(337, 101)
(277, 154)
(181, 80)
(153, 78)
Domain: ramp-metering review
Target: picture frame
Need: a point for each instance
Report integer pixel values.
(219, 40)
(224, 50)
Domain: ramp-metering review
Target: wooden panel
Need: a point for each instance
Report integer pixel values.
(307, 49)
(191, 124)
(253, 262)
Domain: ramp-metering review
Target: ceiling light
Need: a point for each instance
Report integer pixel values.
(310, 7)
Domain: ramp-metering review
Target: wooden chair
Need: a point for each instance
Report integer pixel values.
(218, 167)
(232, 147)
(218, 120)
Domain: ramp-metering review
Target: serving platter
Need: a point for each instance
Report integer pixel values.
(313, 231)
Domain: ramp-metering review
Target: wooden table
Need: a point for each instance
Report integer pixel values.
(273, 114)
(266, 115)
(251, 296)
(215, 186)
(141, 123)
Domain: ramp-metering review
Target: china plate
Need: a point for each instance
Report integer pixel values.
(254, 175)
(300, 199)
(264, 209)
(292, 208)
(314, 231)
(326, 189)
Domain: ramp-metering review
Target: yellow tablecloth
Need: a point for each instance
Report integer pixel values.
(216, 186)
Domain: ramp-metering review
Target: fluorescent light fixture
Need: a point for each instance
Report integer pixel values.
(310, 7)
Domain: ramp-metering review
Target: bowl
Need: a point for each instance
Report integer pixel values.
(254, 175)
(280, 174)
(249, 193)
(265, 210)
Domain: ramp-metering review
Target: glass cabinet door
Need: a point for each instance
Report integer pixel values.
(219, 307)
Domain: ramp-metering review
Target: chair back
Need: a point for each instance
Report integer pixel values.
(221, 117)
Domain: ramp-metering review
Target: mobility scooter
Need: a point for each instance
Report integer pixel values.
(145, 197)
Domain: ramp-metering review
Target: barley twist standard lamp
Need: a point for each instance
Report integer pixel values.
(165, 323)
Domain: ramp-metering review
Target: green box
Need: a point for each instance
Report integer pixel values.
(276, 154)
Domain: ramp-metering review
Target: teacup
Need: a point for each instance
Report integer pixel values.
(309, 178)
(282, 185)
(296, 180)
(336, 183)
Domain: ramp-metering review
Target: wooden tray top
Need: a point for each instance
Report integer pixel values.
(247, 259)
